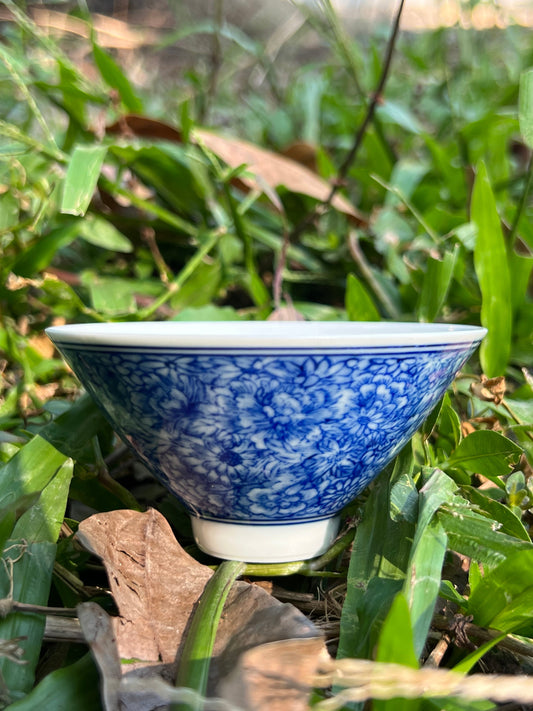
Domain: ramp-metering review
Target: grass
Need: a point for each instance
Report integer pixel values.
(102, 218)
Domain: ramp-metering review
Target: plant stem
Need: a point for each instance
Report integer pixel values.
(193, 668)
(185, 273)
(305, 567)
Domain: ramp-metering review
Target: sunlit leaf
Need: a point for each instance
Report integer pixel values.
(115, 78)
(438, 275)
(359, 304)
(503, 599)
(525, 111)
(490, 260)
(102, 233)
(486, 452)
(30, 565)
(82, 175)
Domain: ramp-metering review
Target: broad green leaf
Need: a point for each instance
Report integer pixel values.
(27, 473)
(210, 312)
(115, 78)
(490, 261)
(359, 304)
(474, 575)
(31, 566)
(98, 231)
(70, 432)
(400, 115)
(39, 254)
(82, 175)
(503, 599)
(448, 592)
(509, 523)
(476, 536)
(487, 453)
(73, 687)
(525, 110)
(437, 279)
(520, 267)
(110, 295)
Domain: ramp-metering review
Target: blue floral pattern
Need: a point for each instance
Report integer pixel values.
(266, 437)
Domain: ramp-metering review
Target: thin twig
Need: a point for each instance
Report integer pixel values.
(360, 134)
(480, 634)
(215, 61)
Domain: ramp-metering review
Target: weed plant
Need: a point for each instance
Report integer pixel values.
(429, 138)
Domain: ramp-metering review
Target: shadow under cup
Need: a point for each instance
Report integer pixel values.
(266, 430)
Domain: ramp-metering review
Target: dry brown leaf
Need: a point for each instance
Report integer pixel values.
(154, 582)
(274, 170)
(275, 677)
(97, 629)
(269, 170)
(286, 313)
(490, 389)
(156, 585)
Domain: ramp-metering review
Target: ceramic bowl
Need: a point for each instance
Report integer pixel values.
(266, 430)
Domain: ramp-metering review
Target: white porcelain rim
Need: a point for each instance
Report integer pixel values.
(265, 334)
(274, 543)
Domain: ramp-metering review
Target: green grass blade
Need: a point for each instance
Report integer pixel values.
(27, 473)
(115, 78)
(423, 581)
(396, 646)
(359, 304)
(490, 261)
(82, 175)
(378, 563)
(42, 521)
(436, 284)
(195, 658)
(30, 566)
(525, 110)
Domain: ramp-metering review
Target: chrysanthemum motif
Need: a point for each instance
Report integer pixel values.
(266, 437)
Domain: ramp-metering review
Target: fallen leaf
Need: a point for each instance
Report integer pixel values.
(97, 629)
(156, 586)
(275, 677)
(154, 582)
(490, 389)
(286, 313)
(269, 170)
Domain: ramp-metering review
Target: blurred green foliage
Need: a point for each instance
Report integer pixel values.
(100, 222)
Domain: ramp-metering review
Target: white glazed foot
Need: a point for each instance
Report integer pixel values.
(276, 543)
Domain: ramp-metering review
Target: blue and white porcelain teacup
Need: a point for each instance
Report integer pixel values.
(266, 430)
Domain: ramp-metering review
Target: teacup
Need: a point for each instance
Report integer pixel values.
(266, 430)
